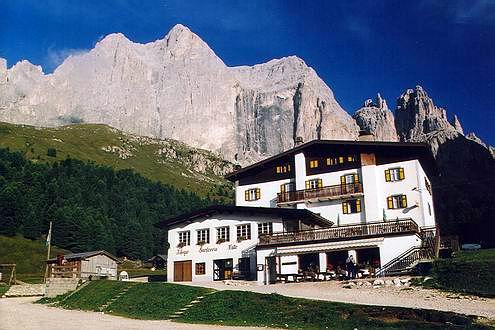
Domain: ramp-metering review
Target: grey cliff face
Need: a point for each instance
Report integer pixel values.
(376, 118)
(178, 88)
(416, 117)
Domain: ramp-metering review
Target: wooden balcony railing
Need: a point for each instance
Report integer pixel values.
(342, 232)
(328, 192)
(64, 271)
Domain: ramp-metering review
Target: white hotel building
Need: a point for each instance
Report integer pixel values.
(313, 206)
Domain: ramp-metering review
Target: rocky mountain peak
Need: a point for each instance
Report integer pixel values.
(376, 118)
(178, 88)
(456, 123)
(416, 116)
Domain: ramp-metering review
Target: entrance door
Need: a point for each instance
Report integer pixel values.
(222, 269)
(271, 266)
(183, 271)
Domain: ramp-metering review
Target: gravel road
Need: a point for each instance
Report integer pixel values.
(21, 313)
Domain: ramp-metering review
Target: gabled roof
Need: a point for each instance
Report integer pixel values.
(421, 149)
(83, 255)
(286, 213)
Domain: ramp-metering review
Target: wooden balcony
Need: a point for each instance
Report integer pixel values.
(321, 194)
(342, 232)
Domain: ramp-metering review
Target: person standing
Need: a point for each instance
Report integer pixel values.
(351, 267)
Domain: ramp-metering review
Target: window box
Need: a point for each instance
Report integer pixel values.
(241, 238)
(181, 245)
(201, 243)
(221, 240)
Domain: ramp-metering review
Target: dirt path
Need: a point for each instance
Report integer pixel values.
(21, 313)
(411, 297)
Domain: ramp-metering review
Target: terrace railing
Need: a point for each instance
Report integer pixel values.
(342, 232)
(328, 192)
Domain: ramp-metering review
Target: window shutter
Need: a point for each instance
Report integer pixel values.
(356, 178)
(320, 183)
(345, 208)
(342, 179)
(358, 205)
(404, 201)
(307, 184)
(246, 195)
(401, 173)
(390, 203)
(387, 175)
(258, 193)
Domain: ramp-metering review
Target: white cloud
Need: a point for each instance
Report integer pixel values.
(55, 57)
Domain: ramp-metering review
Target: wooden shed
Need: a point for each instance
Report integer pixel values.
(159, 261)
(84, 265)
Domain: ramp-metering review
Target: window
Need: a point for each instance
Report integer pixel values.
(349, 178)
(243, 232)
(200, 268)
(394, 174)
(283, 168)
(313, 163)
(223, 234)
(428, 185)
(314, 184)
(265, 228)
(286, 187)
(203, 236)
(252, 194)
(351, 206)
(397, 202)
(351, 158)
(184, 238)
(332, 161)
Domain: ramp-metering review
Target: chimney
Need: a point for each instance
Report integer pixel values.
(298, 141)
(366, 136)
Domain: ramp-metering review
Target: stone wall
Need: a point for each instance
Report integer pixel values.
(58, 286)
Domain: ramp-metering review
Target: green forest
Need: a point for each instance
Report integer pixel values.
(91, 206)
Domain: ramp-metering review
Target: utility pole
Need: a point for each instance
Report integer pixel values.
(49, 243)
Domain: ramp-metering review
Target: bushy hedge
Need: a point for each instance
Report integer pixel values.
(470, 272)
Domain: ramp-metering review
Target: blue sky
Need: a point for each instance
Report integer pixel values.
(358, 48)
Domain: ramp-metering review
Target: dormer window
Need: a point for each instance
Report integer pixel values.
(283, 169)
(313, 163)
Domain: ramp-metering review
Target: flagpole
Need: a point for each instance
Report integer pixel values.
(49, 242)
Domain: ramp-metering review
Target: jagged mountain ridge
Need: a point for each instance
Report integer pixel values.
(243, 113)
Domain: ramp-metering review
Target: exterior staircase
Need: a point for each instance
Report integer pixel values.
(406, 262)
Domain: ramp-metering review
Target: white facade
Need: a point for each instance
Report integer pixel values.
(379, 194)
(208, 253)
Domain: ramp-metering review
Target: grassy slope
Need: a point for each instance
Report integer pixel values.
(469, 272)
(85, 142)
(160, 300)
(29, 257)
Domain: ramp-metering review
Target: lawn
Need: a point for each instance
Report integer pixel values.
(154, 301)
(3, 289)
(469, 272)
(94, 295)
(254, 309)
(28, 255)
